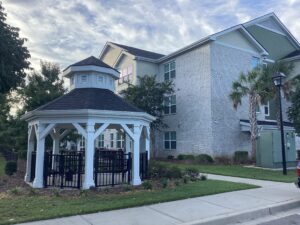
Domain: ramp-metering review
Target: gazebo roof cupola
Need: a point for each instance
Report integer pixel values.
(91, 73)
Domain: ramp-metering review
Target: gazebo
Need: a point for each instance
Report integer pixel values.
(89, 108)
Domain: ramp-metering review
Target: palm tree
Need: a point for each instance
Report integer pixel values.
(249, 85)
(258, 86)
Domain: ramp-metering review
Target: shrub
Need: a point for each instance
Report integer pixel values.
(204, 158)
(241, 157)
(157, 170)
(10, 168)
(177, 183)
(170, 157)
(147, 185)
(192, 173)
(180, 157)
(173, 173)
(203, 177)
(185, 179)
(185, 157)
(164, 182)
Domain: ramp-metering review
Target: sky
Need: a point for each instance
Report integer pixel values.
(67, 31)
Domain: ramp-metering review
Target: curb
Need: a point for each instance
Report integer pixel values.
(248, 215)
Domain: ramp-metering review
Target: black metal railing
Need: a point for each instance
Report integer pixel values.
(112, 168)
(63, 170)
(144, 165)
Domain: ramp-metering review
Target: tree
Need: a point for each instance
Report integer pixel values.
(258, 86)
(248, 85)
(42, 87)
(294, 109)
(148, 95)
(13, 56)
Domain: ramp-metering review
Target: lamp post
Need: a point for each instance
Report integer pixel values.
(278, 80)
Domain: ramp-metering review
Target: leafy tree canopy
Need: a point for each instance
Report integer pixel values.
(13, 56)
(294, 109)
(41, 88)
(148, 95)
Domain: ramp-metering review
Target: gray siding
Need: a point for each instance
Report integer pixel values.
(192, 122)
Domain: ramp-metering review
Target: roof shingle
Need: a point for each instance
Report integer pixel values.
(140, 52)
(91, 61)
(90, 98)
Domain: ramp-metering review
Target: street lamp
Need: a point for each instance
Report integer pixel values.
(278, 81)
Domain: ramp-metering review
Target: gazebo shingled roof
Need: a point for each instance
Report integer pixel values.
(90, 98)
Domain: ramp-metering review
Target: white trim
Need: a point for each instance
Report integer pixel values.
(270, 29)
(72, 69)
(100, 130)
(127, 130)
(123, 52)
(237, 48)
(46, 131)
(80, 129)
(297, 57)
(273, 15)
(185, 49)
(84, 113)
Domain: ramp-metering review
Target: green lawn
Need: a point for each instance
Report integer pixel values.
(2, 165)
(240, 171)
(28, 208)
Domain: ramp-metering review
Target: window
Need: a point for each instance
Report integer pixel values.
(255, 62)
(83, 78)
(267, 109)
(111, 140)
(101, 141)
(170, 140)
(126, 74)
(169, 70)
(100, 78)
(170, 104)
(120, 140)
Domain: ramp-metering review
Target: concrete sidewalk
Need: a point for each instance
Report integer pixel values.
(223, 208)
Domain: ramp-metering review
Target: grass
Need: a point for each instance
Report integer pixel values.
(240, 171)
(2, 165)
(18, 209)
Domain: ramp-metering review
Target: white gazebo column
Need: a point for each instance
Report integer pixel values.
(30, 149)
(136, 180)
(147, 140)
(40, 153)
(89, 156)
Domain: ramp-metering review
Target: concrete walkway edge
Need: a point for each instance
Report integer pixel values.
(247, 215)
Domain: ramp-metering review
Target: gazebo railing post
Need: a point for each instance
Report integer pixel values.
(79, 170)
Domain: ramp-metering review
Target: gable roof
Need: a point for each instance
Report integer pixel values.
(280, 24)
(139, 52)
(90, 98)
(91, 61)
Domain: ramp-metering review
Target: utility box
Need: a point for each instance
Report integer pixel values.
(269, 153)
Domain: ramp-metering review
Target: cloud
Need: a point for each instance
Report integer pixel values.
(65, 31)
